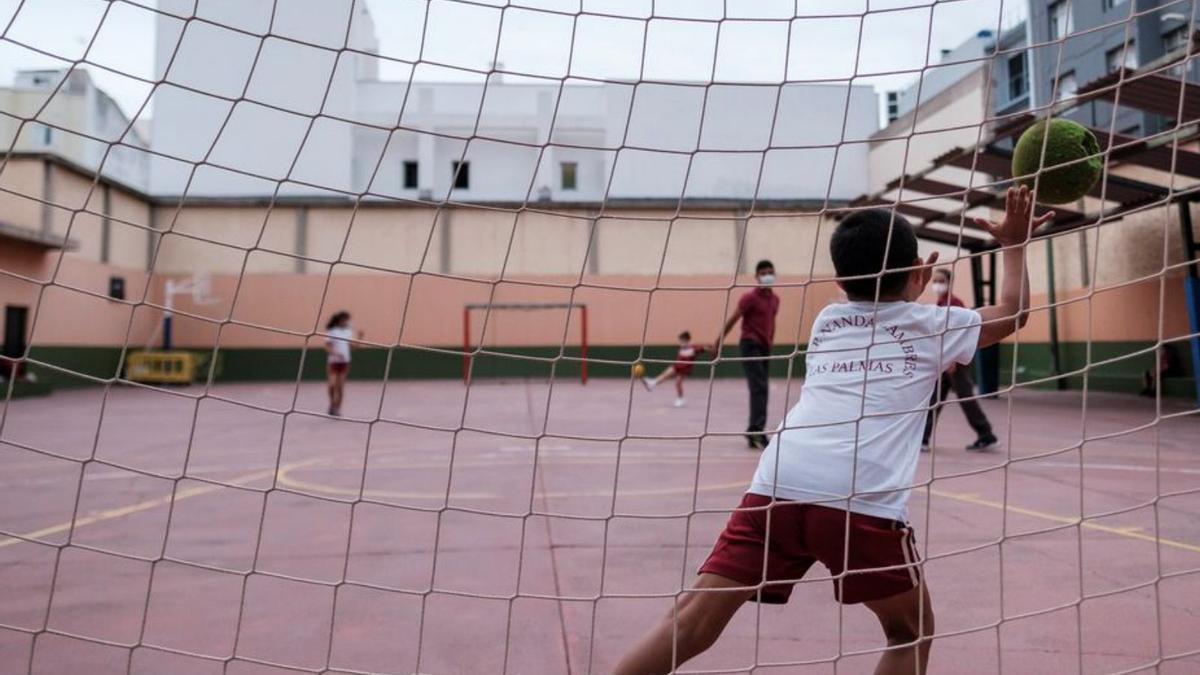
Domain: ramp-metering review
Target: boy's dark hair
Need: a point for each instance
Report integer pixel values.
(762, 265)
(685, 335)
(858, 246)
(337, 318)
(942, 272)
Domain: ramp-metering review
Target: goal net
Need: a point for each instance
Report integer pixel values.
(488, 323)
(398, 207)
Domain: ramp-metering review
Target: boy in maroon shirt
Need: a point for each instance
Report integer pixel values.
(685, 359)
(756, 310)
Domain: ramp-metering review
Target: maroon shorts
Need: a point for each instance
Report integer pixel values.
(802, 534)
(339, 367)
(682, 368)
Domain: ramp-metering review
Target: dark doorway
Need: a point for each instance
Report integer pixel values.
(16, 326)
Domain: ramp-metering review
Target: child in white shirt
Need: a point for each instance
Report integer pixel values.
(833, 484)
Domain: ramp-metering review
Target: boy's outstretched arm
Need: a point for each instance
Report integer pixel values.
(1012, 232)
(729, 324)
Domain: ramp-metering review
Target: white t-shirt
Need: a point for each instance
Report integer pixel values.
(853, 439)
(339, 343)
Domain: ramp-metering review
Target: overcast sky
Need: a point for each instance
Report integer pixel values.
(684, 39)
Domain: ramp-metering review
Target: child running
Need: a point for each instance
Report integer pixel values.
(685, 359)
(833, 484)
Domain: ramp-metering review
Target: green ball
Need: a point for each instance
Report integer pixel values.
(1069, 142)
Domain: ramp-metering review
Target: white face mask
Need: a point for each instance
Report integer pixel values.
(941, 287)
(766, 279)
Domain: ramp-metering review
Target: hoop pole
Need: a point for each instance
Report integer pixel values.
(168, 315)
(466, 345)
(583, 343)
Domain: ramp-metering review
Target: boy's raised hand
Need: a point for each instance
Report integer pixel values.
(925, 270)
(1018, 222)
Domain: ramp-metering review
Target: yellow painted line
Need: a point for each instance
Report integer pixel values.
(284, 478)
(146, 505)
(1130, 532)
(545, 461)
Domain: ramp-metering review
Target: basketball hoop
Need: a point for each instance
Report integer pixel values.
(198, 285)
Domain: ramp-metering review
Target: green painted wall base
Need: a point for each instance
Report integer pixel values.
(1123, 374)
(98, 362)
(1115, 366)
(25, 389)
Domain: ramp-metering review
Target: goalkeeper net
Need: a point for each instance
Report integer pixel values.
(389, 201)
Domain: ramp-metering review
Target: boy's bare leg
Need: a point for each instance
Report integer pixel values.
(679, 385)
(691, 627)
(907, 619)
(664, 375)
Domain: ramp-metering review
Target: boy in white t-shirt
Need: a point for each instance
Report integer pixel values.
(833, 484)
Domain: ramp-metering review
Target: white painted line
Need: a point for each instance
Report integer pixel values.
(1108, 467)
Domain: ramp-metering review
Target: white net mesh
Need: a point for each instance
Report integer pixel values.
(245, 170)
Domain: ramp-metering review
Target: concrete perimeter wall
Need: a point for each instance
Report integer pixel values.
(405, 272)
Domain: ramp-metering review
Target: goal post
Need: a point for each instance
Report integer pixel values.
(469, 352)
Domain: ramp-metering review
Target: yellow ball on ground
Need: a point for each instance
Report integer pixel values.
(639, 370)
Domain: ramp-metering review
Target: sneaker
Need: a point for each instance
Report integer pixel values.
(752, 441)
(679, 402)
(649, 383)
(983, 443)
(925, 447)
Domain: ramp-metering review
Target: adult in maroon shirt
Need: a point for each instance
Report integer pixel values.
(957, 378)
(756, 310)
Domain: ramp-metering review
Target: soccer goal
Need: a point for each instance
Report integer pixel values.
(425, 218)
(524, 357)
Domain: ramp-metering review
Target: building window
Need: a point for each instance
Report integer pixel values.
(1066, 86)
(1018, 78)
(893, 106)
(1111, 4)
(410, 175)
(1173, 41)
(47, 135)
(461, 175)
(1124, 56)
(569, 173)
(1061, 21)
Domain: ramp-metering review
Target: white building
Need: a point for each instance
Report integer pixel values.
(76, 121)
(955, 65)
(303, 114)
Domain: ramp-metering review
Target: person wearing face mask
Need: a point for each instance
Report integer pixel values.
(957, 378)
(756, 310)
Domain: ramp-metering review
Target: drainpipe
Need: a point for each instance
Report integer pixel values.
(1055, 355)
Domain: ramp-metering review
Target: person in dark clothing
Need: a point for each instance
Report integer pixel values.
(957, 378)
(756, 310)
(1166, 366)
